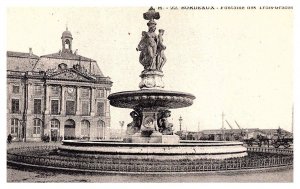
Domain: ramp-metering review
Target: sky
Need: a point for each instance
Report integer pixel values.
(239, 62)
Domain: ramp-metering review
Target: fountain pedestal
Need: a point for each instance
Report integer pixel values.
(150, 107)
(149, 121)
(155, 137)
(151, 79)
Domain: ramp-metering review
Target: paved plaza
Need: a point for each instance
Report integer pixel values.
(14, 175)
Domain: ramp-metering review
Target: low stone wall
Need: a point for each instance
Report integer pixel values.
(18, 156)
(155, 151)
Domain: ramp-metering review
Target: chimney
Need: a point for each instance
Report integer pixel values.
(30, 51)
(76, 52)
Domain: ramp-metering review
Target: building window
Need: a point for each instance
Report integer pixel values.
(15, 106)
(37, 123)
(69, 129)
(14, 127)
(85, 93)
(37, 106)
(16, 89)
(100, 129)
(67, 44)
(85, 128)
(100, 108)
(70, 107)
(55, 90)
(54, 123)
(54, 107)
(100, 93)
(85, 107)
(37, 89)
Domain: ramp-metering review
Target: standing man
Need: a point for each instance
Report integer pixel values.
(9, 138)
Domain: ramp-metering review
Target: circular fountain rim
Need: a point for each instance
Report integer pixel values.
(152, 92)
(150, 98)
(181, 144)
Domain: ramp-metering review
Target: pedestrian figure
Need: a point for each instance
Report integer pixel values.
(269, 137)
(46, 138)
(9, 138)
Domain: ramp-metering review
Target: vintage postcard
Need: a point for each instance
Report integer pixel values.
(168, 93)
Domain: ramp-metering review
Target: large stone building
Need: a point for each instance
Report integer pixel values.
(62, 95)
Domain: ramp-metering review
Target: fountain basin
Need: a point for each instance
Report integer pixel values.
(160, 151)
(154, 98)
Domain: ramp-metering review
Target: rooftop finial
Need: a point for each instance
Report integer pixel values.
(151, 14)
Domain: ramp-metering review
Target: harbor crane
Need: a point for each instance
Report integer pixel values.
(231, 132)
(238, 125)
(228, 124)
(241, 129)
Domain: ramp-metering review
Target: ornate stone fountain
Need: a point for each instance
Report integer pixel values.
(151, 103)
(150, 135)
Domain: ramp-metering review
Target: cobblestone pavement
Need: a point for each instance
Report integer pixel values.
(18, 144)
(29, 175)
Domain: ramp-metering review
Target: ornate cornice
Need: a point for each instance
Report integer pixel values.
(60, 77)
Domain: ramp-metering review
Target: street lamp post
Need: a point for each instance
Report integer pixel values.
(186, 133)
(22, 123)
(180, 122)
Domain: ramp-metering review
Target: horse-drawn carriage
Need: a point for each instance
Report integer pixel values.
(259, 140)
(282, 141)
(277, 140)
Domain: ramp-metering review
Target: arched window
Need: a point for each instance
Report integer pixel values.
(67, 44)
(14, 127)
(69, 130)
(85, 128)
(54, 123)
(100, 129)
(37, 124)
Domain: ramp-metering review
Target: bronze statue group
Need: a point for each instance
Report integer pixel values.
(152, 55)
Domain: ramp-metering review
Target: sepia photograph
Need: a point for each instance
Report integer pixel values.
(149, 94)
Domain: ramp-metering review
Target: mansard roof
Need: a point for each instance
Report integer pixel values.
(21, 55)
(18, 61)
(68, 56)
(48, 62)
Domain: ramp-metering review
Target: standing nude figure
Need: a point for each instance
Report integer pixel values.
(152, 45)
(161, 58)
